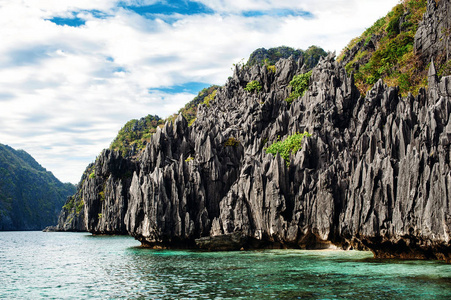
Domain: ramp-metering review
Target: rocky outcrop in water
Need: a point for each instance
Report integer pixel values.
(71, 218)
(375, 173)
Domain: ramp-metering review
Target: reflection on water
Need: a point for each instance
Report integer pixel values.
(76, 265)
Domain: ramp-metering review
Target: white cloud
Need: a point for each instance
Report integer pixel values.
(66, 91)
(339, 7)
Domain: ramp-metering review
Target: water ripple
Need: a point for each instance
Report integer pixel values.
(35, 265)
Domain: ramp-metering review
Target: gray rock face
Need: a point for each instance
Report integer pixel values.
(106, 195)
(433, 38)
(375, 174)
(69, 220)
(71, 217)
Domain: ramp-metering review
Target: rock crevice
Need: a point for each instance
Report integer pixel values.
(375, 173)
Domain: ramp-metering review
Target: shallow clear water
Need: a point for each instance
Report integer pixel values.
(37, 265)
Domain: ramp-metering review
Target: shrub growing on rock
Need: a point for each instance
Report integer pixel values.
(253, 86)
(291, 144)
(210, 97)
(300, 84)
(231, 142)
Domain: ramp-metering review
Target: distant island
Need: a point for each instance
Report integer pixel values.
(30, 196)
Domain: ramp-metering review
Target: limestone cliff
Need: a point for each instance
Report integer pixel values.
(71, 217)
(433, 37)
(375, 173)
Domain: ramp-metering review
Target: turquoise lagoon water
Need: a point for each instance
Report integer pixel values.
(35, 265)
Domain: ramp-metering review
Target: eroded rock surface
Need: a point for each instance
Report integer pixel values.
(433, 37)
(375, 174)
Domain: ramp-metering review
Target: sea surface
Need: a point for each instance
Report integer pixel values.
(36, 265)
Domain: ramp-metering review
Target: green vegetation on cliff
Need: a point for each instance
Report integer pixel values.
(272, 55)
(136, 134)
(269, 57)
(300, 84)
(253, 86)
(30, 196)
(72, 214)
(210, 96)
(385, 51)
(290, 145)
(189, 111)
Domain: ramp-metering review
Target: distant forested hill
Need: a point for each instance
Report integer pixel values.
(30, 196)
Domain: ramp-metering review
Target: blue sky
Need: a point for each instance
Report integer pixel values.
(73, 72)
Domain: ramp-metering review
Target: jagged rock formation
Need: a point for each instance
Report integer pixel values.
(106, 194)
(375, 174)
(101, 201)
(433, 37)
(71, 217)
(270, 56)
